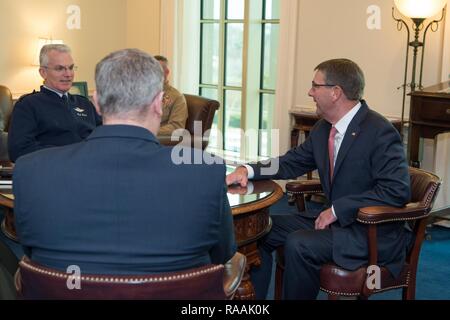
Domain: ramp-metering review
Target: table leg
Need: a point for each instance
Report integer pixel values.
(246, 290)
(249, 228)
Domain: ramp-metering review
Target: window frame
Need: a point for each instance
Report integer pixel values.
(258, 92)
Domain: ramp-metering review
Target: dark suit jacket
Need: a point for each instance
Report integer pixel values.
(117, 204)
(370, 170)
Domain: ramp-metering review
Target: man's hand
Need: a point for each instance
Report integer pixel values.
(240, 176)
(325, 219)
(237, 189)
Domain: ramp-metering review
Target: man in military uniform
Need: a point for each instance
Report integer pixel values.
(51, 117)
(175, 110)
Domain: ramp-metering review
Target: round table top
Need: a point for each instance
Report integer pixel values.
(239, 197)
(261, 193)
(257, 195)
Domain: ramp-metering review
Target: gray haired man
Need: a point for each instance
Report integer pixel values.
(52, 116)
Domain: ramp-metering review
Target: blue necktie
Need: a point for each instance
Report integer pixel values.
(65, 99)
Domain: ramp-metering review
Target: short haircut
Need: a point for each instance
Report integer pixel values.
(164, 63)
(161, 58)
(43, 55)
(127, 81)
(345, 74)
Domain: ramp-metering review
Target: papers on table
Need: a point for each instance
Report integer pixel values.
(5, 184)
(6, 177)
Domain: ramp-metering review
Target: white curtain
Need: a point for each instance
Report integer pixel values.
(288, 57)
(180, 42)
(442, 169)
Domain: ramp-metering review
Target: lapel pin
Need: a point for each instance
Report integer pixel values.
(354, 134)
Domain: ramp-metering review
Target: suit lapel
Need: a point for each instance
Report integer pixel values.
(351, 135)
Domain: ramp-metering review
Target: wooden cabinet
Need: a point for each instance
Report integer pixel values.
(305, 120)
(429, 115)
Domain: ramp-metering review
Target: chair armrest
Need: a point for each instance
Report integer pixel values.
(382, 214)
(233, 273)
(299, 188)
(304, 186)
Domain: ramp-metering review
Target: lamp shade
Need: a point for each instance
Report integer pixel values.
(419, 8)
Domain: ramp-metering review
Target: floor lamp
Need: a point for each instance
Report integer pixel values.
(418, 11)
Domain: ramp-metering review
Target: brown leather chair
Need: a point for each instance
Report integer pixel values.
(210, 282)
(201, 111)
(337, 281)
(6, 106)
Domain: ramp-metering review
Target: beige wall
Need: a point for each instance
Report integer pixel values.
(315, 30)
(331, 29)
(106, 25)
(143, 29)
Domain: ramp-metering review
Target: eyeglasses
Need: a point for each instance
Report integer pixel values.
(61, 69)
(317, 85)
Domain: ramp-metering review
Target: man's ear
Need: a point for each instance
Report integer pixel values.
(337, 93)
(167, 71)
(97, 107)
(43, 72)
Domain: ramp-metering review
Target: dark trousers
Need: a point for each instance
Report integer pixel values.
(305, 250)
(7, 289)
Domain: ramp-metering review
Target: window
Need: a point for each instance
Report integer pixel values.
(238, 63)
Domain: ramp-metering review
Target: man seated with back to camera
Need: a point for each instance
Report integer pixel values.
(364, 165)
(117, 203)
(51, 117)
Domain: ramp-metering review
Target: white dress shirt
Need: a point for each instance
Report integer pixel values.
(60, 94)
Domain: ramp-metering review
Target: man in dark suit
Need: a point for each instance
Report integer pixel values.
(361, 162)
(116, 203)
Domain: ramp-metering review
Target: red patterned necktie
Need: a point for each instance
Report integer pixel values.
(333, 132)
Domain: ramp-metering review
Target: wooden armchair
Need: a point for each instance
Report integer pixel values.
(210, 282)
(337, 281)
